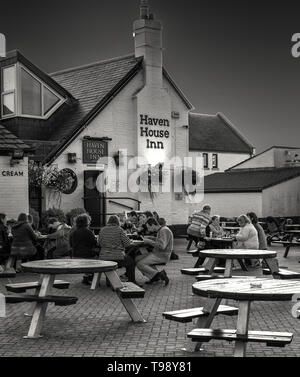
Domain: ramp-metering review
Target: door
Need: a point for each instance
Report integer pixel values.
(94, 201)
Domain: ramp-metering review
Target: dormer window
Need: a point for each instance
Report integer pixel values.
(25, 95)
(8, 98)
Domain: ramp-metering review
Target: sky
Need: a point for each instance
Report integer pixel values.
(228, 56)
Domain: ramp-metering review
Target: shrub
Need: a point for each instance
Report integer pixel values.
(53, 212)
(74, 213)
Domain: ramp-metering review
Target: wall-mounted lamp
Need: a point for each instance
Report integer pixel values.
(16, 157)
(72, 159)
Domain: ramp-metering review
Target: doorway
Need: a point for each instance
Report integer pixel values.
(94, 200)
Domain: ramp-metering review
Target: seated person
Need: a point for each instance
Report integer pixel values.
(83, 242)
(4, 239)
(142, 228)
(113, 240)
(215, 228)
(133, 218)
(162, 249)
(57, 241)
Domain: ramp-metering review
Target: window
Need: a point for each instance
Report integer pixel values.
(205, 160)
(8, 91)
(24, 94)
(31, 94)
(215, 161)
(37, 99)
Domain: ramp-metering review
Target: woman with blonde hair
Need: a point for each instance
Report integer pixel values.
(247, 237)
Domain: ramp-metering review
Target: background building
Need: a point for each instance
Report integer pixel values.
(268, 184)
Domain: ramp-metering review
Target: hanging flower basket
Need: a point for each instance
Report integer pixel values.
(187, 187)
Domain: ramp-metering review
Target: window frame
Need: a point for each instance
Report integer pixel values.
(216, 166)
(53, 109)
(18, 95)
(14, 91)
(205, 160)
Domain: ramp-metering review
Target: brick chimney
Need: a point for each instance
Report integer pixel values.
(148, 43)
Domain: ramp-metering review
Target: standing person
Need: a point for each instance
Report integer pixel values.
(199, 223)
(83, 242)
(162, 249)
(247, 237)
(260, 232)
(4, 239)
(113, 241)
(23, 242)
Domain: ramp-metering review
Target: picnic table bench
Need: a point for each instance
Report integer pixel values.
(288, 245)
(244, 291)
(187, 315)
(49, 268)
(23, 287)
(57, 300)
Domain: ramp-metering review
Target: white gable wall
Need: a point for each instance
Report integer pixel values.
(14, 198)
(225, 160)
(118, 120)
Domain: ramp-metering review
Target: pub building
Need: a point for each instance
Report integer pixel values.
(75, 118)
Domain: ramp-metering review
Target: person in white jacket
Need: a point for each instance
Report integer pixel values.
(247, 237)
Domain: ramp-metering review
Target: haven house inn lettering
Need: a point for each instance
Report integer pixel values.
(145, 131)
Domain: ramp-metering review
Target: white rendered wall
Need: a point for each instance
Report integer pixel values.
(283, 199)
(14, 197)
(225, 160)
(234, 204)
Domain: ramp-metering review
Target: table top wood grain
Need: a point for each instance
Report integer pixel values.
(237, 254)
(242, 289)
(68, 266)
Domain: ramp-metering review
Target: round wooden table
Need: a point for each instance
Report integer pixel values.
(230, 254)
(69, 266)
(49, 268)
(244, 291)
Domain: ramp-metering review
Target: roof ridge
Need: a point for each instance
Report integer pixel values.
(99, 62)
(235, 130)
(201, 114)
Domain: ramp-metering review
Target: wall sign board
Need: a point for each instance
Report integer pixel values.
(93, 150)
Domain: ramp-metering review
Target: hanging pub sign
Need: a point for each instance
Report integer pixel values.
(93, 150)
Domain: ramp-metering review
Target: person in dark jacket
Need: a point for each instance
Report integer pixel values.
(83, 242)
(24, 239)
(4, 239)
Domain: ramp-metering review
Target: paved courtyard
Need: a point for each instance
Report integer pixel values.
(98, 325)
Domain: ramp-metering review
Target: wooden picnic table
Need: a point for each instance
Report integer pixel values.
(232, 228)
(294, 232)
(230, 254)
(49, 268)
(244, 291)
(292, 226)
